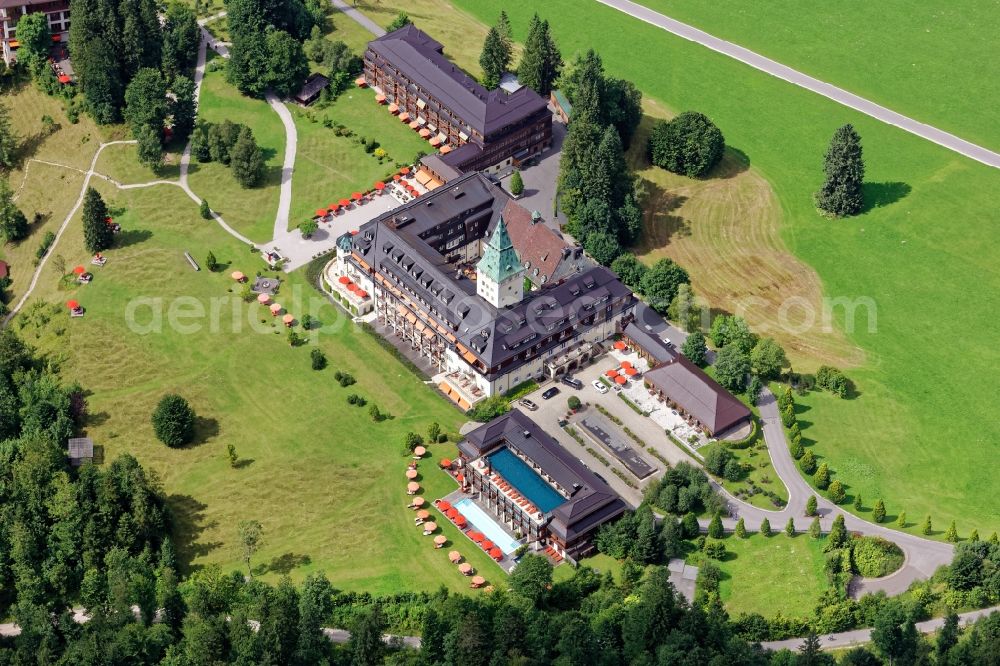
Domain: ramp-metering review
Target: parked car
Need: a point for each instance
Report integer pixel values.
(572, 382)
(554, 390)
(527, 404)
(598, 386)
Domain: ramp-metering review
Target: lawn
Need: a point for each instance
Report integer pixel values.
(324, 480)
(329, 167)
(121, 163)
(765, 574)
(600, 563)
(762, 474)
(44, 189)
(928, 61)
(916, 257)
(249, 211)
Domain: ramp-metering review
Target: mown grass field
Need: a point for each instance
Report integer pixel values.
(925, 60)
(249, 211)
(324, 480)
(330, 167)
(916, 431)
(765, 574)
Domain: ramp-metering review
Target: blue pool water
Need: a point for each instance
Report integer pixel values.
(526, 480)
(487, 525)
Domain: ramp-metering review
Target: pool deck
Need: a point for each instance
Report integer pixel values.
(507, 563)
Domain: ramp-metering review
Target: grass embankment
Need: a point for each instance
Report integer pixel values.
(324, 480)
(895, 53)
(249, 211)
(915, 433)
(330, 167)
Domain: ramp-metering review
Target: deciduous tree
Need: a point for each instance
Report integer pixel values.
(661, 282)
(731, 368)
(684, 310)
(767, 359)
(146, 103)
(690, 144)
(148, 147)
(251, 534)
(695, 349)
(629, 270)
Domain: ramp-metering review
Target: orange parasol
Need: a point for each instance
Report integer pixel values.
(440, 539)
(411, 473)
(418, 501)
(263, 299)
(288, 319)
(413, 486)
(454, 556)
(430, 526)
(423, 514)
(80, 270)
(620, 380)
(465, 568)
(419, 451)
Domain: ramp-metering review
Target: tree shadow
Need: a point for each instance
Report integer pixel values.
(96, 419)
(205, 429)
(878, 195)
(659, 222)
(268, 153)
(132, 237)
(272, 176)
(189, 523)
(243, 463)
(734, 162)
(282, 564)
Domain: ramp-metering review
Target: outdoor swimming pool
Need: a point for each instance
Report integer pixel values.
(487, 525)
(526, 480)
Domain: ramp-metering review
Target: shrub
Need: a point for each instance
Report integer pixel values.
(833, 380)
(173, 421)
(308, 228)
(573, 402)
(874, 557)
(808, 462)
(489, 409)
(211, 263)
(344, 379)
(356, 400)
(714, 549)
(204, 210)
(690, 144)
(318, 359)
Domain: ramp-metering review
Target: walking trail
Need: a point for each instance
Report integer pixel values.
(839, 95)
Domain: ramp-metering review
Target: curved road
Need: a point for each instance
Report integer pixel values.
(839, 95)
(846, 639)
(923, 556)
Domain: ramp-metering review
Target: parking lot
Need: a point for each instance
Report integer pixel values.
(649, 429)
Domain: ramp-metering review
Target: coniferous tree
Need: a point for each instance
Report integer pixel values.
(901, 519)
(180, 39)
(807, 463)
(97, 235)
(836, 491)
(841, 194)
(790, 527)
(401, 21)
(516, 183)
(8, 138)
(814, 528)
(838, 533)
(741, 529)
(173, 421)
(541, 61)
(811, 506)
(765, 527)
(495, 58)
(858, 502)
(715, 526)
(952, 534)
(974, 536)
(247, 161)
(822, 477)
(204, 210)
(13, 223)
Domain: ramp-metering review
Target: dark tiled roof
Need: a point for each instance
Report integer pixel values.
(699, 395)
(653, 345)
(436, 163)
(420, 58)
(313, 85)
(397, 244)
(591, 502)
(4, 269)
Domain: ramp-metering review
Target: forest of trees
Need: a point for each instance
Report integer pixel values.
(597, 190)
